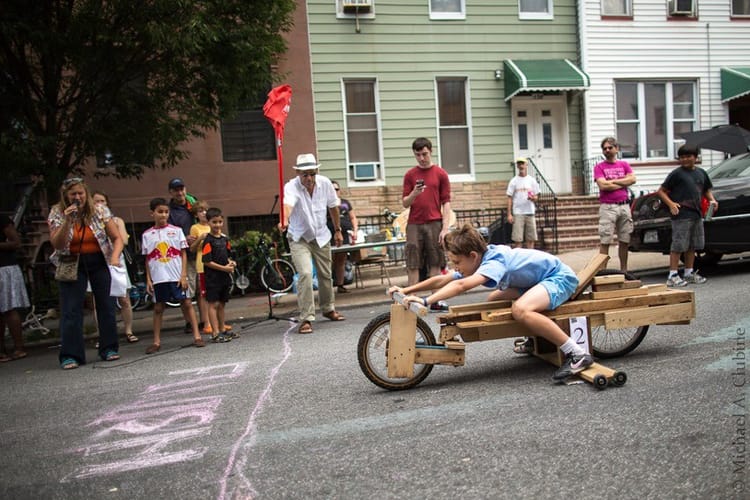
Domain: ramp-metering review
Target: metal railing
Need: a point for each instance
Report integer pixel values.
(546, 204)
(583, 175)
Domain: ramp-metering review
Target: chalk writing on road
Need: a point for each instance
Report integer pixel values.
(162, 427)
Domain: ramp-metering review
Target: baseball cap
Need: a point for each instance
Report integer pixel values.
(521, 159)
(176, 183)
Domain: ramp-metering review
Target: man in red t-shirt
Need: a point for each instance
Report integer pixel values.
(427, 193)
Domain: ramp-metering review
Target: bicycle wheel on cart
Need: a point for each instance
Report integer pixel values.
(607, 344)
(372, 352)
(278, 277)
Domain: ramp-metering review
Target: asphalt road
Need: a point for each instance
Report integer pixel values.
(279, 415)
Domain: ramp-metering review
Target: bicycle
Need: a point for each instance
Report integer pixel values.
(276, 275)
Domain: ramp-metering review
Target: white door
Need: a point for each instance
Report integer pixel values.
(540, 133)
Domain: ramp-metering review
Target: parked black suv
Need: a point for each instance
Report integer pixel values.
(727, 231)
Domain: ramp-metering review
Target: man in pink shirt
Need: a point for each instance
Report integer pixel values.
(613, 177)
(427, 195)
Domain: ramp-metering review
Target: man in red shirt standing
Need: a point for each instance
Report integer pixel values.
(427, 193)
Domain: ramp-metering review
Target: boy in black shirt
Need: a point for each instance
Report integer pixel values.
(218, 268)
(681, 192)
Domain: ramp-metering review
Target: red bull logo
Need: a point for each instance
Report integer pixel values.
(163, 252)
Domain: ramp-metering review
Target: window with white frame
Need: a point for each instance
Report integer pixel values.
(364, 9)
(535, 9)
(740, 8)
(362, 127)
(453, 125)
(447, 9)
(651, 116)
(620, 8)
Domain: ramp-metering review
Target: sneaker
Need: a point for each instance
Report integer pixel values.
(439, 306)
(675, 281)
(220, 339)
(573, 364)
(695, 279)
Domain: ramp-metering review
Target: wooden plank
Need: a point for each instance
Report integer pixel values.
(439, 355)
(585, 275)
(454, 344)
(648, 315)
(626, 285)
(402, 342)
(609, 279)
(586, 307)
(658, 287)
(478, 307)
(619, 293)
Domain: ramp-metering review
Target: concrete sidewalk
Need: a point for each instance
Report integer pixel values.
(250, 307)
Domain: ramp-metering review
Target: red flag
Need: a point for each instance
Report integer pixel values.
(276, 109)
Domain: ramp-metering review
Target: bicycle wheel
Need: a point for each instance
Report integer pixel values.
(372, 352)
(607, 344)
(278, 276)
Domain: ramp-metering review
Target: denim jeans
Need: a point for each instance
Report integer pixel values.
(92, 268)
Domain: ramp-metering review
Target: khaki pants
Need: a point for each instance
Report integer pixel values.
(303, 254)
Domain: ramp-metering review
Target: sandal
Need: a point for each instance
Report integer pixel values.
(198, 343)
(153, 348)
(110, 355)
(523, 346)
(334, 316)
(132, 339)
(220, 339)
(68, 364)
(305, 327)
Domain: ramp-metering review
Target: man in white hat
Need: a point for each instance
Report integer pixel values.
(306, 199)
(522, 194)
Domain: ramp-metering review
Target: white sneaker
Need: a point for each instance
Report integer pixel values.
(695, 279)
(675, 281)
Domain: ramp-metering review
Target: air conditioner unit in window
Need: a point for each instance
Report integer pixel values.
(364, 171)
(351, 6)
(681, 7)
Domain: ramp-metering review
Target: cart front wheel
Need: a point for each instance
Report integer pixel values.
(372, 352)
(619, 341)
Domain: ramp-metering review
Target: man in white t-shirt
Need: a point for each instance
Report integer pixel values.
(522, 193)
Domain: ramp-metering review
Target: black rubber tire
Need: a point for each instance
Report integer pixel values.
(619, 379)
(607, 344)
(600, 382)
(279, 277)
(372, 353)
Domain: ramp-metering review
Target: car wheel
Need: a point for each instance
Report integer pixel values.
(705, 259)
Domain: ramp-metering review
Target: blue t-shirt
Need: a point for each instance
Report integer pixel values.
(519, 268)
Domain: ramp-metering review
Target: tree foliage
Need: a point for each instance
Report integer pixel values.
(134, 78)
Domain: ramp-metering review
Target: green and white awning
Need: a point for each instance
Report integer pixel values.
(542, 75)
(735, 82)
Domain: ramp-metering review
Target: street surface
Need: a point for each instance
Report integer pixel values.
(278, 415)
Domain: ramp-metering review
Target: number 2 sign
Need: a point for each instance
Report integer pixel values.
(579, 332)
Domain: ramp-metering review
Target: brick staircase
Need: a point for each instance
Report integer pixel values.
(577, 223)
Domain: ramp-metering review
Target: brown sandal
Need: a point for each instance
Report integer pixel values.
(334, 316)
(305, 327)
(132, 339)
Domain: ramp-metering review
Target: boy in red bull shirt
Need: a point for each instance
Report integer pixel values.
(165, 248)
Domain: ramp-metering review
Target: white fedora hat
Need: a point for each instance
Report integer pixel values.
(306, 161)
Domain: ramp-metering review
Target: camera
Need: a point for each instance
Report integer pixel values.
(420, 183)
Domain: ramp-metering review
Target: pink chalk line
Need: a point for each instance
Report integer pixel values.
(245, 490)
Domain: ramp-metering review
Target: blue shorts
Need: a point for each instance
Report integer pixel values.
(171, 291)
(560, 286)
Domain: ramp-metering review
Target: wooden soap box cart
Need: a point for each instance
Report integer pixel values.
(609, 313)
